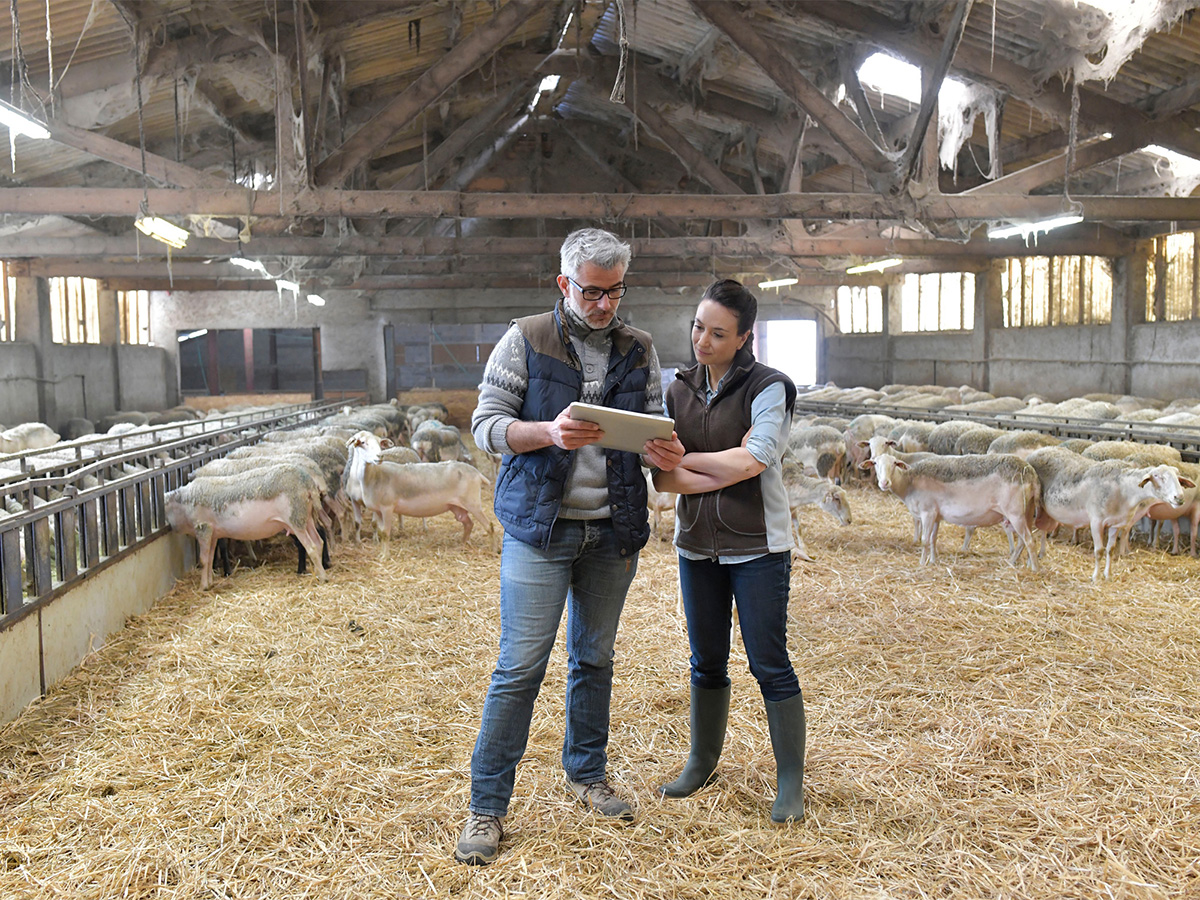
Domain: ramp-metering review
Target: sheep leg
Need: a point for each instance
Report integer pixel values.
(208, 546)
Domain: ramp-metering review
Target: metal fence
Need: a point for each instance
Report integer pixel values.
(66, 519)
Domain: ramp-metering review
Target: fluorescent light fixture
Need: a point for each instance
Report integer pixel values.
(897, 78)
(779, 282)
(162, 230)
(284, 285)
(192, 334)
(316, 299)
(252, 264)
(547, 85)
(1027, 229)
(877, 266)
(18, 122)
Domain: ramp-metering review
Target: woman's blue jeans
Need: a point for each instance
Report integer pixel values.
(583, 570)
(760, 589)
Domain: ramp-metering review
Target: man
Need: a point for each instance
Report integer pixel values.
(575, 518)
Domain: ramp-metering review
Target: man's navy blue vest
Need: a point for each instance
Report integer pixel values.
(529, 486)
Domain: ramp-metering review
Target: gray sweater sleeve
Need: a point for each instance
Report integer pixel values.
(502, 393)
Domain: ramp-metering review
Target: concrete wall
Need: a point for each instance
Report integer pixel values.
(1056, 362)
(1165, 360)
(48, 644)
(18, 383)
(441, 337)
(87, 380)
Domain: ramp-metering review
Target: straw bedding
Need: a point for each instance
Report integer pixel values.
(975, 730)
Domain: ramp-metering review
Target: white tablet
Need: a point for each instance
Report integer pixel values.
(623, 430)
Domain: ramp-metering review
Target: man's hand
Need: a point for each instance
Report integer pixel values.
(571, 434)
(663, 454)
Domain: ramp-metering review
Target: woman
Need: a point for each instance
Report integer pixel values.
(733, 536)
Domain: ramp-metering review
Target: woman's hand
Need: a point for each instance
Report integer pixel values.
(663, 454)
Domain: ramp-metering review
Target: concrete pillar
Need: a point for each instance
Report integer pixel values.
(33, 325)
(110, 317)
(989, 316)
(1128, 309)
(110, 336)
(892, 300)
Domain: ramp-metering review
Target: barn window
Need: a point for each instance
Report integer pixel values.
(1057, 290)
(860, 309)
(940, 301)
(1172, 285)
(74, 310)
(8, 304)
(135, 316)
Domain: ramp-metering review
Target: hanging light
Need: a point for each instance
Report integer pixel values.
(252, 264)
(877, 266)
(1027, 229)
(162, 230)
(779, 282)
(18, 122)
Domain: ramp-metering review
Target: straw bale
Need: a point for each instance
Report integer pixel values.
(974, 730)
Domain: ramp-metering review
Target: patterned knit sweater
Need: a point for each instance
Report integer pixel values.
(502, 393)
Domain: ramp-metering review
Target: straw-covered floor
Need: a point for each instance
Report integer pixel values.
(974, 731)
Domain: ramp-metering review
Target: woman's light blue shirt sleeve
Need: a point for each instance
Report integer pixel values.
(769, 424)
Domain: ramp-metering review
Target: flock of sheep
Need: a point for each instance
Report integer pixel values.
(321, 482)
(385, 461)
(973, 474)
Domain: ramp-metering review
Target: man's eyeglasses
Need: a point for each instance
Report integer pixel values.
(592, 294)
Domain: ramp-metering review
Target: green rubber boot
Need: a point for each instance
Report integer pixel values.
(709, 716)
(785, 718)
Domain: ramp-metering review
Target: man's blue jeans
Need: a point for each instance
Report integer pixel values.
(760, 588)
(583, 568)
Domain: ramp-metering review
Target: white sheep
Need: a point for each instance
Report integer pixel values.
(27, 436)
(1108, 494)
(980, 489)
(803, 490)
(415, 489)
(659, 502)
(249, 507)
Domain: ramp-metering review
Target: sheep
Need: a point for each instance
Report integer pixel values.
(658, 502)
(415, 489)
(805, 491)
(967, 490)
(436, 441)
(1111, 494)
(860, 429)
(248, 507)
(105, 425)
(943, 436)
(77, 428)
(1189, 509)
(27, 436)
(821, 449)
(912, 436)
(1159, 453)
(1021, 443)
(976, 440)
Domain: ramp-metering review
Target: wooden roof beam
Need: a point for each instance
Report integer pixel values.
(330, 203)
(878, 166)
(465, 57)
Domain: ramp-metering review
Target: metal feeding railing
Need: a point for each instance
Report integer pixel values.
(1184, 438)
(65, 518)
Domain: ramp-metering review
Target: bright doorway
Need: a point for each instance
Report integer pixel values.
(789, 345)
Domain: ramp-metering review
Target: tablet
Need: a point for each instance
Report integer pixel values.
(623, 430)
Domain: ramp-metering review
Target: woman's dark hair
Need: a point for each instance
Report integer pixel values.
(734, 296)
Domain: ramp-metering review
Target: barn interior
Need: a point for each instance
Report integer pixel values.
(277, 207)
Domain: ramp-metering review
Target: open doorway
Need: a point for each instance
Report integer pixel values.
(789, 345)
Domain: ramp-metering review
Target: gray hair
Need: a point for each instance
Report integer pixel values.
(596, 246)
